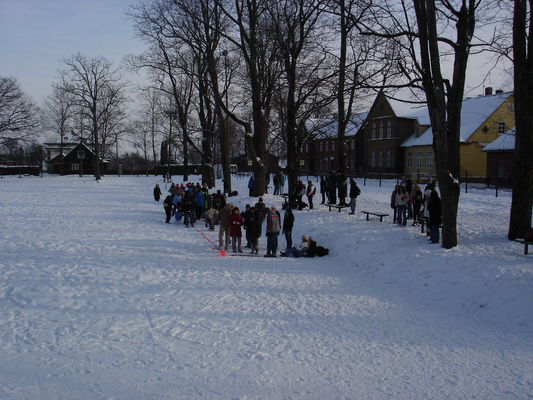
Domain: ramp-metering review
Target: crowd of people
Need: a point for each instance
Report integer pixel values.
(409, 202)
(189, 203)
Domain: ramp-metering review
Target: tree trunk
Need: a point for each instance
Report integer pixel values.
(522, 199)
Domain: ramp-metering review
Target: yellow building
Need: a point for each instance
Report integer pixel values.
(483, 120)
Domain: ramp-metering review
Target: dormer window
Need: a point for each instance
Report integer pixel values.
(417, 130)
(501, 127)
(373, 130)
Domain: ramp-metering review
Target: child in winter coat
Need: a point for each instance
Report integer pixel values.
(235, 232)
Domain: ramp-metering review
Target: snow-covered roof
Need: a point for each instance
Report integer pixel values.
(505, 142)
(474, 113)
(328, 127)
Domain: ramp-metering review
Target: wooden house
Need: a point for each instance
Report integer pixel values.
(79, 160)
(483, 120)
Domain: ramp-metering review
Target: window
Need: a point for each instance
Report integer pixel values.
(419, 159)
(510, 107)
(389, 129)
(409, 160)
(380, 159)
(373, 130)
(430, 159)
(389, 159)
(332, 146)
(381, 130)
(75, 167)
(373, 159)
(501, 127)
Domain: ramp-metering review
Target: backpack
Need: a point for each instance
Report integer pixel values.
(321, 251)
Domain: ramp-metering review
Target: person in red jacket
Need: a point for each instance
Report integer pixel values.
(236, 221)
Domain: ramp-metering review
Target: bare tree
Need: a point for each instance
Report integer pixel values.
(95, 86)
(175, 31)
(18, 114)
(60, 109)
(520, 220)
(307, 70)
(256, 46)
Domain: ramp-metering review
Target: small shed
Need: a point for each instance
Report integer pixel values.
(500, 159)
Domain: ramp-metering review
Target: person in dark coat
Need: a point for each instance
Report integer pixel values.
(157, 192)
(167, 204)
(354, 192)
(187, 206)
(323, 188)
(332, 188)
(288, 223)
(342, 188)
(253, 229)
(435, 216)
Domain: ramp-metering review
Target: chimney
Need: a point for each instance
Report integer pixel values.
(488, 91)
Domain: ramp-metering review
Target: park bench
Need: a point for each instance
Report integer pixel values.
(526, 244)
(380, 215)
(338, 207)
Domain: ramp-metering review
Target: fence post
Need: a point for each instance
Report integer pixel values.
(496, 189)
(466, 181)
(379, 180)
(364, 181)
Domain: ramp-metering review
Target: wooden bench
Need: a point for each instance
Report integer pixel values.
(380, 215)
(526, 244)
(336, 206)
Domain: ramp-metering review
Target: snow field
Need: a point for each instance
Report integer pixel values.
(100, 299)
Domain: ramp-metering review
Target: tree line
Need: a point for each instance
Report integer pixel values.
(224, 73)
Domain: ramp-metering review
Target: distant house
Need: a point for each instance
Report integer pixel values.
(243, 162)
(380, 139)
(500, 159)
(483, 120)
(79, 160)
(318, 152)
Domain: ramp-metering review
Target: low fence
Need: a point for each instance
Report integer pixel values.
(20, 170)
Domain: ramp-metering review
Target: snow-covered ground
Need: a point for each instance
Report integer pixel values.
(100, 299)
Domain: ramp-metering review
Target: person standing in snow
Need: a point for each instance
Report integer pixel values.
(235, 223)
(354, 193)
(435, 216)
(167, 205)
(251, 183)
(323, 188)
(188, 208)
(401, 203)
(342, 186)
(223, 232)
(157, 192)
(310, 193)
(272, 231)
(253, 229)
(393, 203)
(416, 200)
(199, 203)
(288, 223)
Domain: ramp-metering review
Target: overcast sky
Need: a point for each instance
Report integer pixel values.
(36, 35)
